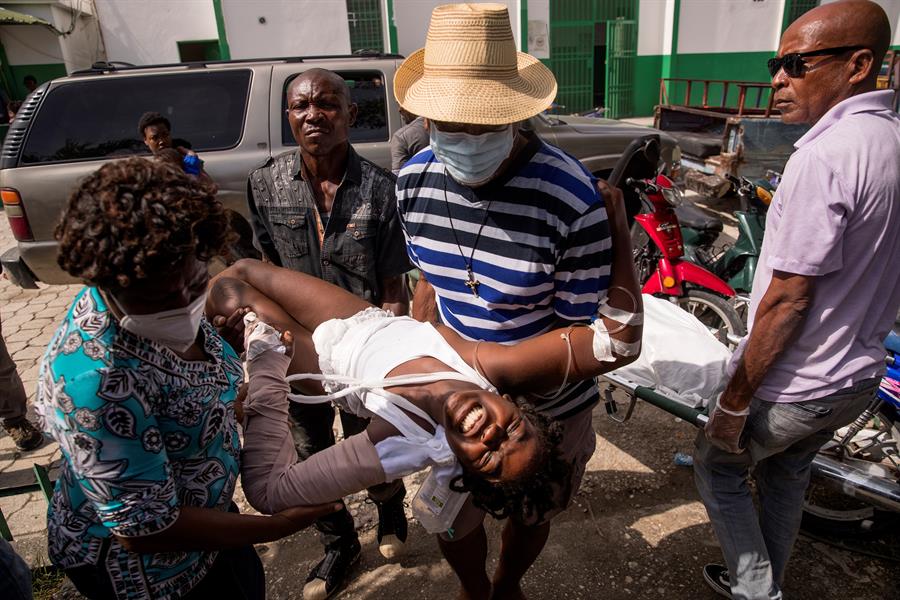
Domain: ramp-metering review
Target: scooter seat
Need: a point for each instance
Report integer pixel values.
(691, 216)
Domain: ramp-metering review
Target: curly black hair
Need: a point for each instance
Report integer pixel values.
(134, 219)
(152, 118)
(532, 496)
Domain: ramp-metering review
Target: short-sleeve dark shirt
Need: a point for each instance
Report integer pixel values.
(363, 241)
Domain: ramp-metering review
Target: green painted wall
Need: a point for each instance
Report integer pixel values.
(736, 66)
(742, 66)
(647, 71)
(41, 72)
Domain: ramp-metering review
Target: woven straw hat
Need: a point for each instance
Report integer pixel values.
(470, 72)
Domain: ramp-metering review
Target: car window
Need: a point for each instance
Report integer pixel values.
(368, 92)
(99, 118)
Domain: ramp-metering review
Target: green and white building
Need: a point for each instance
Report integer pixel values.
(613, 53)
(46, 39)
(609, 53)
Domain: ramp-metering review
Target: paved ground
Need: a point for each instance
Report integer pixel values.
(637, 530)
(29, 318)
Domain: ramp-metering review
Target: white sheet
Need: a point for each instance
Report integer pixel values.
(679, 358)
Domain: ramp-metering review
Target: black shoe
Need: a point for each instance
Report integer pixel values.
(717, 578)
(332, 572)
(392, 526)
(25, 435)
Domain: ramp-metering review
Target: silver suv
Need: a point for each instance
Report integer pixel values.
(232, 113)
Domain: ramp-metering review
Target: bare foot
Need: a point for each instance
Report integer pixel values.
(502, 591)
(480, 593)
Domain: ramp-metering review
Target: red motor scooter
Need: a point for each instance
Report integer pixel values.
(650, 201)
(660, 266)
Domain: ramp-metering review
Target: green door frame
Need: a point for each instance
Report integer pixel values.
(523, 25)
(224, 50)
(392, 27)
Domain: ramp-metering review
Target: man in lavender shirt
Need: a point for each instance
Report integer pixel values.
(824, 297)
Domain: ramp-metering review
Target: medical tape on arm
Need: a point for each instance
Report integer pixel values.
(605, 346)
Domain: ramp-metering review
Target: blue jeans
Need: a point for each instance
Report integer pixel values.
(15, 577)
(782, 440)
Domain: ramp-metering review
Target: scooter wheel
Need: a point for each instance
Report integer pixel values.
(718, 314)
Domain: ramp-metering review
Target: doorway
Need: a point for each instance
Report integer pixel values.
(593, 44)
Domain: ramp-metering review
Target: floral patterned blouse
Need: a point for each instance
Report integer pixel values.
(142, 433)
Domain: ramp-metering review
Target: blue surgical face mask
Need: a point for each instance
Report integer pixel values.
(472, 160)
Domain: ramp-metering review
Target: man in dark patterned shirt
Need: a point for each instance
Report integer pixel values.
(325, 211)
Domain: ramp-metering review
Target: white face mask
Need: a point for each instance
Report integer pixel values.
(176, 328)
(472, 159)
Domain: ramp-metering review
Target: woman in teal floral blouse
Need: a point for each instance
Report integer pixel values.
(138, 390)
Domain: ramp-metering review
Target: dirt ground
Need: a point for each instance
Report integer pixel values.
(637, 530)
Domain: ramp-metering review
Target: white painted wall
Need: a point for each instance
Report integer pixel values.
(291, 28)
(655, 27)
(30, 6)
(34, 44)
(83, 46)
(712, 26)
(892, 8)
(412, 17)
(147, 32)
(30, 45)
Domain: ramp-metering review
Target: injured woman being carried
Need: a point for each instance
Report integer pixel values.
(435, 399)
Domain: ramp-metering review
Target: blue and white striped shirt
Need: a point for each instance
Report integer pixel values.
(542, 259)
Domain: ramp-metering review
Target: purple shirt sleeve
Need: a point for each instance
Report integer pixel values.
(814, 209)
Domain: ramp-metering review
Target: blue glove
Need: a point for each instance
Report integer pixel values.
(192, 164)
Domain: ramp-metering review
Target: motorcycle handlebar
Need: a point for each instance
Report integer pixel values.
(641, 184)
(742, 185)
(643, 187)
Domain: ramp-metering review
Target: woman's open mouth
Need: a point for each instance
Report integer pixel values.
(471, 418)
(466, 414)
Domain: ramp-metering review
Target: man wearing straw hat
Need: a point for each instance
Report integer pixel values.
(510, 233)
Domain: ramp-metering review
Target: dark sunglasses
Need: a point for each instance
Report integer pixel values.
(793, 64)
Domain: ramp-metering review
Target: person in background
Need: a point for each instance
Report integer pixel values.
(408, 140)
(325, 211)
(824, 297)
(13, 403)
(30, 82)
(156, 132)
(12, 108)
(139, 391)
